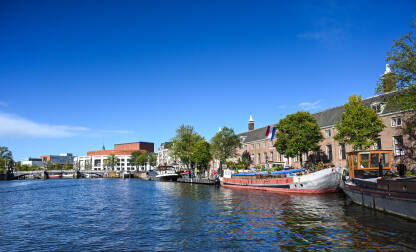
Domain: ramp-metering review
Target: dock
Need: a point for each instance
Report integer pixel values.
(204, 181)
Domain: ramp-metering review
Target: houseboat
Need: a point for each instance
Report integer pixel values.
(298, 181)
(366, 184)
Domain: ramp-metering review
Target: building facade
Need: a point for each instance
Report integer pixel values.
(32, 161)
(165, 157)
(263, 153)
(95, 160)
(58, 159)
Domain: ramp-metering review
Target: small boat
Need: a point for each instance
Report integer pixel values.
(367, 185)
(68, 175)
(286, 181)
(55, 176)
(167, 175)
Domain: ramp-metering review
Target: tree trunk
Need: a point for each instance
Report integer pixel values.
(301, 160)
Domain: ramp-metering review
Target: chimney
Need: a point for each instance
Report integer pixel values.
(251, 123)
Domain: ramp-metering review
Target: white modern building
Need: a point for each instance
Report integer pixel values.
(32, 161)
(95, 160)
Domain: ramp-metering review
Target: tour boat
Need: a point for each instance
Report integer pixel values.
(366, 185)
(286, 181)
(167, 175)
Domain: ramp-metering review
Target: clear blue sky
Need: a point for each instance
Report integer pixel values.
(75, 75)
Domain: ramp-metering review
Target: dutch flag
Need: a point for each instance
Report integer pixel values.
(271, 132)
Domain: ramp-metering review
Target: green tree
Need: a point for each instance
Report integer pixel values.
(151, 158)
(6, 158)
(297, 134)
(360, 126)
(402, 59)
(49, 166)
(138, 158)
(183, 142)
(247, 159)
(111, 161)
(87, 165)
(68, 166)
(224, 145)
(386, 83)
(201, 153)
(57, 166)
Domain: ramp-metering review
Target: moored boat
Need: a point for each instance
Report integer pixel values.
(55, 176)
(367, 186)
(286, 181)
(67, 175)
(167, 175)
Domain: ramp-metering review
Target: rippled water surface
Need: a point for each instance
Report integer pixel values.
(114, 214)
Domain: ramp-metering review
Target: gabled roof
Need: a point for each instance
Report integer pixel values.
(325, 118)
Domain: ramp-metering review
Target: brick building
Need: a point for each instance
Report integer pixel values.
(263, 153)
(122, 151)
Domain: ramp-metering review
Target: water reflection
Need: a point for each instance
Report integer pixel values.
(111, 214)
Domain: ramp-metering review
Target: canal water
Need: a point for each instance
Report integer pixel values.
(126, 215)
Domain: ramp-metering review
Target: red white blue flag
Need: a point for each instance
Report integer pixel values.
(271, 132)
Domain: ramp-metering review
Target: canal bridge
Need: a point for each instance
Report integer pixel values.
(45, 174)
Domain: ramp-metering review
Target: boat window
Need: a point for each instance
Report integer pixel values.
(385, 160)
(364, 160)
(354, 160)
(374, 160)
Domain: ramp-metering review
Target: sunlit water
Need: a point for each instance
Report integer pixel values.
(125, 215)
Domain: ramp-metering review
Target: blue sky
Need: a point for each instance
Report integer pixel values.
(76, 75)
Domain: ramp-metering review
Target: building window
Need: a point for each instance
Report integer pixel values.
(245, 146)
(252, 157)
(258, 146)
(377, 144)
(398, 145)
(296, 159)
(97, 162)
(265, 157)
(378, 107)
(327, 133)
(265, 144)
(252, 146)
(329, 152)
(342, 151)
(396, 121)
(258, 158)
(271, 156)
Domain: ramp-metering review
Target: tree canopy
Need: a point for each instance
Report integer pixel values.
(224, 144)
(111, 161)
(201, 153)
(360, 126)
(6, 158)
(402, 59)
(138, 158)
(297, 134)
(183, 143)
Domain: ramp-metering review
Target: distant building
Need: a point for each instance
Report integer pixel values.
(58, 159)
(83, 162)
(32, 161)
(95, 159)
(165, 157)
(264, 154)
